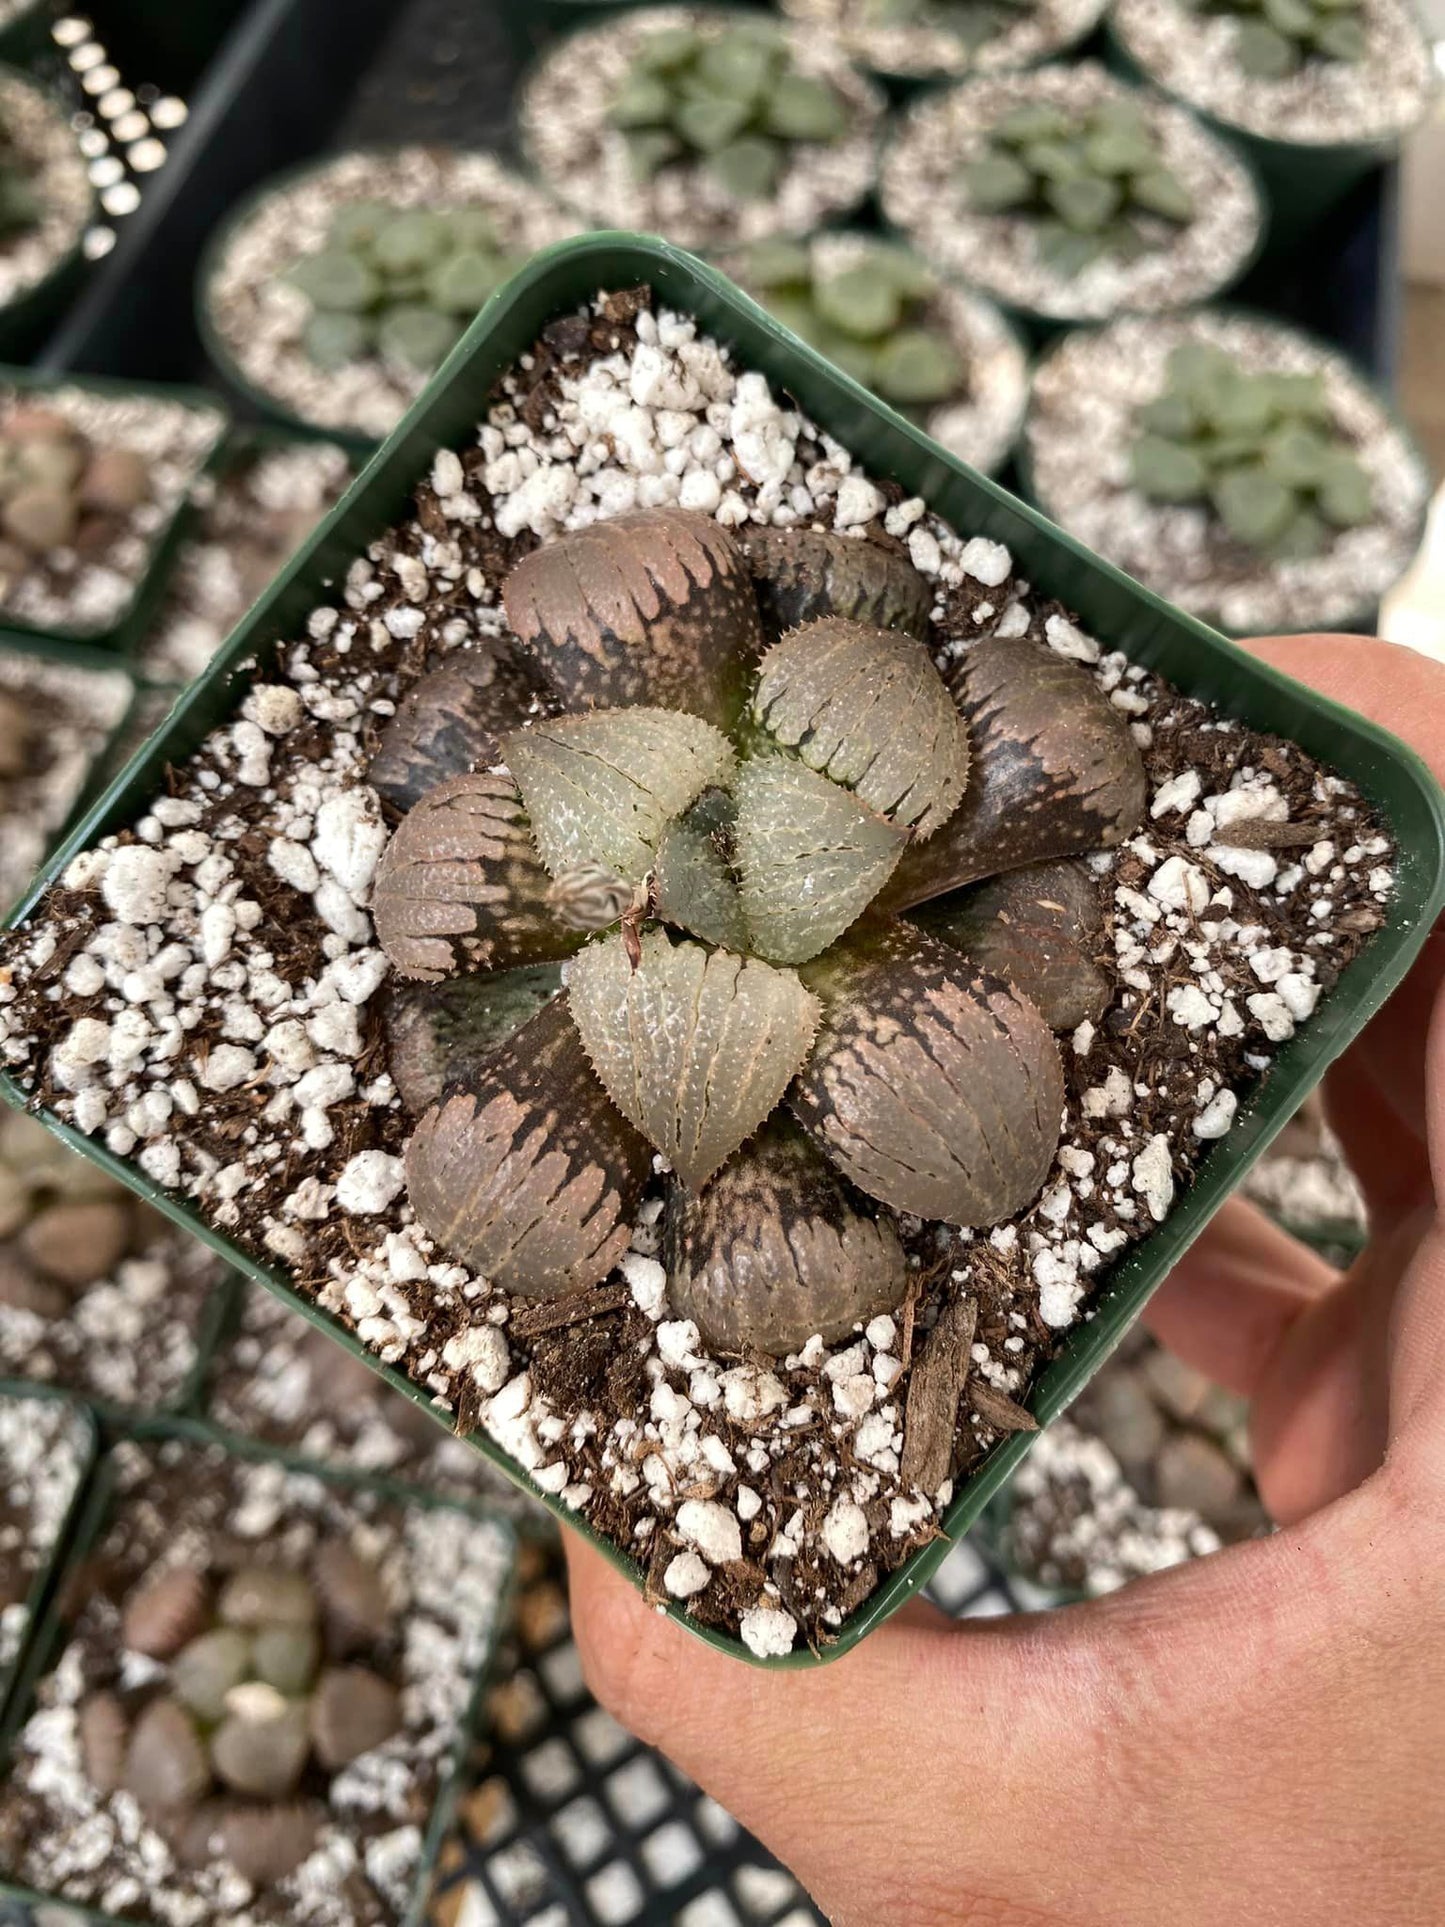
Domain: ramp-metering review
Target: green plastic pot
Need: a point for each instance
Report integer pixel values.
(93, 1514)
(119, 639)
(1363, 619)
(1197, 659)
(25, 320)
(42, 1586)
(1302, 180)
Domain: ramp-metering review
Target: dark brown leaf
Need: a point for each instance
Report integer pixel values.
(696, 1046)
(935, 1386)
(451, 722)
(1039, 929)
(165, 1763)
(263, 1843)
(867, 708)
(353, 1593)
(262, 1757)
(1055, 772)
(803, 574)
(165, 1612)
(531, 1176)
(654, 608)
(352, 1711)
(461, 887)
(933, 1087)
(439, 1035)
(102, 1728)
(777, 1248)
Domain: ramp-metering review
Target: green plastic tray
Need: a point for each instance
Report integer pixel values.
(89, 1520)
(120, 638)
(42, 1587)
(1196, 658)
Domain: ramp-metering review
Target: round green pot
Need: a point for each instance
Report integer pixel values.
(25, 320)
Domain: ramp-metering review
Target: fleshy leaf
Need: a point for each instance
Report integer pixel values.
(860, 302)
(811, 857)
(694, 886)
(654, 607)
(918, 366)
(1263, 53)
(695, 1046)
(804, 107)
(600, 788)
(1167, 471)
(418, 335)
(459, 886)
(866, 708)
(439, 1035)
(748, 167)
(933, 1087)
(451, 723)
(804, 574)
(777, 1249)
(530, 1176)
(1347, 496)
(336, 281)
(1253, 506)
(1159, 190)
(996, 183)
(333, 340)
(1055, 772)
(1040, 929)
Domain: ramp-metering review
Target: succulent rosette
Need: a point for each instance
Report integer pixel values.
(700, 872)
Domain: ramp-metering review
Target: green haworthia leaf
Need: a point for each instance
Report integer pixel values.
(1158, 190)
(859, 302)
(1297, 456)
(803, 107)
(1031, 122)
(695, 1046)
(777, 1249)
(1343, 39)
(996, 183)
(1040, 929)
(358, 223)
(1171, 415)
(694, 886)
(1241, 404)
(644, 101)
(337, 282)
(1084, 205)
(438, 1036)
(913, 279)
(472, 229)
(411, 242)
(748, 167)
(418, 336)
(811, 857)
(1263, 52)
(1253, 506)
(601, 788)
(1121, 150)
(1055, 772)
(530, 1176)
(1347, 495)
(651, 608)
(1057, 160)
(669, 50)
(740, 64)
(804, 574)
(333, 341)
(1305, 396)
(776, 263)
(466, 282)
(1167, 471)
(649, 149)
(866, 708)
(935, 1088)
(917, 367)
(459, 886)
(1294, 18)
(1305, 537)
(1067, 253)
(708, 122)
(451, 723)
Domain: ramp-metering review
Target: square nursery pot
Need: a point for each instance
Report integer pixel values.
(14, 1669)
(91, 1516)
(1195, 658)
(117, 635)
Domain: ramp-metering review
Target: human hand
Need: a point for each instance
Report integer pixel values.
(1257, 1738)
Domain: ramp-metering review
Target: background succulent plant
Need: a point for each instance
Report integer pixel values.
(260, 1686)
(734, 99)
(57, 491)
(1277, 37)
(871, 317)
(713, 826)
(398, 282)
(1260, 449)
(1094, 181)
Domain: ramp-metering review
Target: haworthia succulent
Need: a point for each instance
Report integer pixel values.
(811, 857)
(601, 788)
(1276, 38)
(803, 574)
(695, 1046)
(439, 1035)
(451, 722)
(529, 1175)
